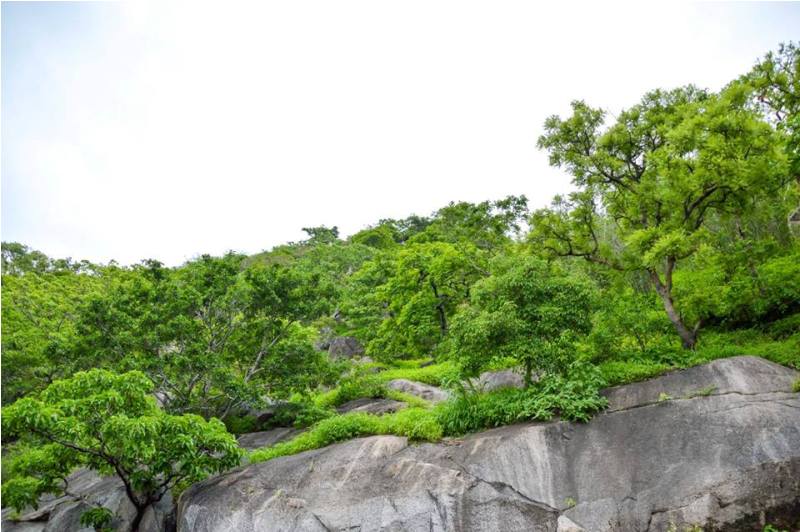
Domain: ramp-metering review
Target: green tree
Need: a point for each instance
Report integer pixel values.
(213, 337)
(649, 183)
(39, 314)
(422, 286)
(488, 225)
(110, 423)
(526, 310)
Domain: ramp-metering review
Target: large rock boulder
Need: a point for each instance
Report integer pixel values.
(423, 391)
(371, 406)
(722, 453)
(267, 438)
(345, 347)
(60, 514)
(494, 380)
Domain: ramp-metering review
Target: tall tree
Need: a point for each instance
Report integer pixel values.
(654, 178)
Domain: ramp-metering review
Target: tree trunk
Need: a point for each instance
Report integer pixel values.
(664, 290)
(137, 519)
(440, 309)
(528, 373)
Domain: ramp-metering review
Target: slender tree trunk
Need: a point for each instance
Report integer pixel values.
(137, 519)
(664, 290)
(528, 373)
(440, 309)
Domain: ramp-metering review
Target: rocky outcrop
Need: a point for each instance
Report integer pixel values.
(371, 406)
(494, 380)
(716, 446)
(423, 391)
(59, 514)
(256, 440)
(345, 347)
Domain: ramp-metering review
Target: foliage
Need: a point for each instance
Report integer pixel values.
(417, 424)
(655, 178)
(97, 518)
(574, 397)
(680, 222)
(39, 313)
(527, 310)
(211, 335)
(110, 423)
(626, 371)
(425, 284)
(350, 388)
(441, 374)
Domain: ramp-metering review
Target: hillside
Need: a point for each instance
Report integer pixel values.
(632, 350)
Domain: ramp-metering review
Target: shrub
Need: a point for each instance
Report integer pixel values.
(435, 375)
(241, 424)
(350, 388)
(574, 398)
(110, 423)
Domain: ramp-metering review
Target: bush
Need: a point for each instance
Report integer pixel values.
(574, 398)
(715, 345)
(241, 424)
(436, 374)
(350, 388)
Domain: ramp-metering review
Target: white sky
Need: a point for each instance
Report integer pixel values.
(167, 130)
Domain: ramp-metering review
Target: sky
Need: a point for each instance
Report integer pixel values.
(164, 130)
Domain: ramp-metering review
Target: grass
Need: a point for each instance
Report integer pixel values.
(416, 424)
(435, 375)
(571, 399)
(774, 345)
(576, 398)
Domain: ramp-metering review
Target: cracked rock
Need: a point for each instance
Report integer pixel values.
(723, 454)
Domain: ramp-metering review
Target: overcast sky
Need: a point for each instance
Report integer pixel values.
(168, 130)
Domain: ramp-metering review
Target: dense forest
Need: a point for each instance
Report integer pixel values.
(679, 245)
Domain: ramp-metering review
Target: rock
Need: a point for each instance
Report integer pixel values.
(64, 513)
(256, 440)
(371, 406)
(345, 347)
(565, 524)
(726, 459)
(324, 339)
(494, 380)
(424, 391)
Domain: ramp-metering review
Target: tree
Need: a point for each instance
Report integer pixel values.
(421, 287)
(110, 423)
(211, 335)
(776, 80)
(648, 185)
(526, 310)
(39, 313)
(321, 234)
(487, 225)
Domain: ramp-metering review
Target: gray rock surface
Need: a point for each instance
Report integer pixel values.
(371, 406)
(424, 391)
(727, 459)
(58, 514)
(345, 347)
(494, 380)
(256, 440)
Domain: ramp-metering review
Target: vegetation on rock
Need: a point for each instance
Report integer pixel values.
(676, 248)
